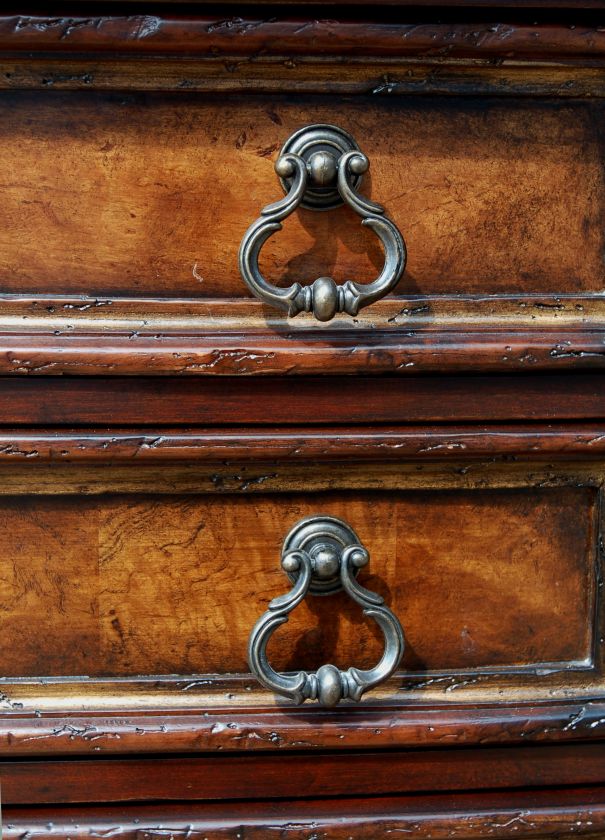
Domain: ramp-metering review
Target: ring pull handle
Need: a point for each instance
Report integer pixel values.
(322, 555)
(321, 167)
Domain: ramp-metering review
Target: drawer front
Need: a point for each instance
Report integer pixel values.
(130, 590)
(153, 584)
(120, 253)
(151, 195)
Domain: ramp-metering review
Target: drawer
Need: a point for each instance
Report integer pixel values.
(119, 254)
(131, 586)
(152, 194)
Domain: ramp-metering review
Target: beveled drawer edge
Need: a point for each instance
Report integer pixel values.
(237, 444)
(369, 726)
(202, 35)
(468, 816)
(400, 336)
(155, 52)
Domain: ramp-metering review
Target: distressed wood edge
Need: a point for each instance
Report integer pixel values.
(255, 729)
(577, 441)
(24, 314)
(197, 35)
(297, 75)
(497, 814)
(414, 353)
(260, 477)
(115, 336)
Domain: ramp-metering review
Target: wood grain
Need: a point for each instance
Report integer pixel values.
(401, 724)
(355, 352)
(154, 582)
(468, 816)
(195, 35)
(502, 198)
(314, 401)
(402, 336)
(375, 78)
(290, 775)
(577, 441)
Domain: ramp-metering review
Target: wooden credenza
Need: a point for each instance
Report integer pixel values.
(163, 431)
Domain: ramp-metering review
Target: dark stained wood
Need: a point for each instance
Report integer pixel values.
(148, 585)
(242, 444)
(87, 335)
(316, 401)
(399, 353)
(289, 775)
(238, 729)
(506, 198)
(468, 816)
(255, 74)
(141, 516)
(233, 35)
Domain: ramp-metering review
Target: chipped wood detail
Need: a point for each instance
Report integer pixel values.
(153, 34)
(298, 444)
(44, 314)
(285, 75)
(475, 816)
(397, 353)
(87, 335)
(261, 729)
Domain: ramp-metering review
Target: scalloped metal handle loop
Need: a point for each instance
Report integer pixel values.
(329, 162)
(322, 555)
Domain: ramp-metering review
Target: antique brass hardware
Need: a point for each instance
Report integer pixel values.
(322, 555)
(320, 167)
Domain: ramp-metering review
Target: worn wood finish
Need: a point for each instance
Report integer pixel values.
(577, 441)
(402, 353)
(497, 56)
(316, 476)
(469, 816)
(568, 313)
(233, 35)
(87, 335)
(503, 198)
(83, 576)
(315, 401)
(408, 353)
(236, 729)
(285, 75)
(141, 516)
(289, 775)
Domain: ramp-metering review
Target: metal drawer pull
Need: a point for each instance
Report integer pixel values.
(320, 167)
(322, 555)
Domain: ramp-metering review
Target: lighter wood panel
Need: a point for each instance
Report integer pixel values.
(123, 585)
(151, 194)
(49, 587)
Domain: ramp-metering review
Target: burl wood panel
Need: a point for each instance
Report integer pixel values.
(151, 194)
(123, 585)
